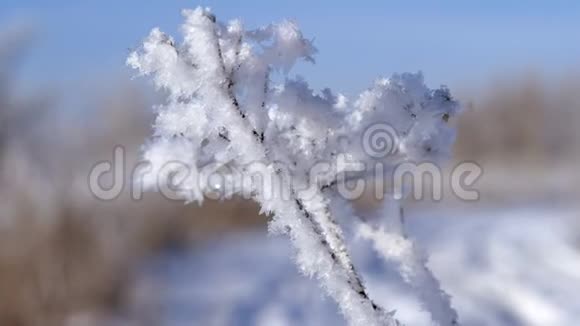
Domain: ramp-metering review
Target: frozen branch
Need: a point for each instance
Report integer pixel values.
(224, 109)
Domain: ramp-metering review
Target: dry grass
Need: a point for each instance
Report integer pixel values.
(525, 119)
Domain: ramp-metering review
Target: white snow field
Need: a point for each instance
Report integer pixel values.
(518, 266)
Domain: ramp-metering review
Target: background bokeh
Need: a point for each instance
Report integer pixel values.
(66, 100)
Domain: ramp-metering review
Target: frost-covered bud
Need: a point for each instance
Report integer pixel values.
(283, 44)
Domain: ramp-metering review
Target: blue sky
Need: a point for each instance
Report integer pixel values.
(452, 42)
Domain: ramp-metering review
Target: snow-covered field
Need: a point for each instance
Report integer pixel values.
(502, 267)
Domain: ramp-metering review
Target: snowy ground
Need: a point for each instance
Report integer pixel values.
(502, 267)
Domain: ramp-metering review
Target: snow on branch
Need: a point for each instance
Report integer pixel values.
(225, 111)
(390, 242)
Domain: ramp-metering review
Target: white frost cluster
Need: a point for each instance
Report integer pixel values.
(224, 111)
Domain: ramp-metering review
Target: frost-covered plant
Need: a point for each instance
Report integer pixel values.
(225, 109)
